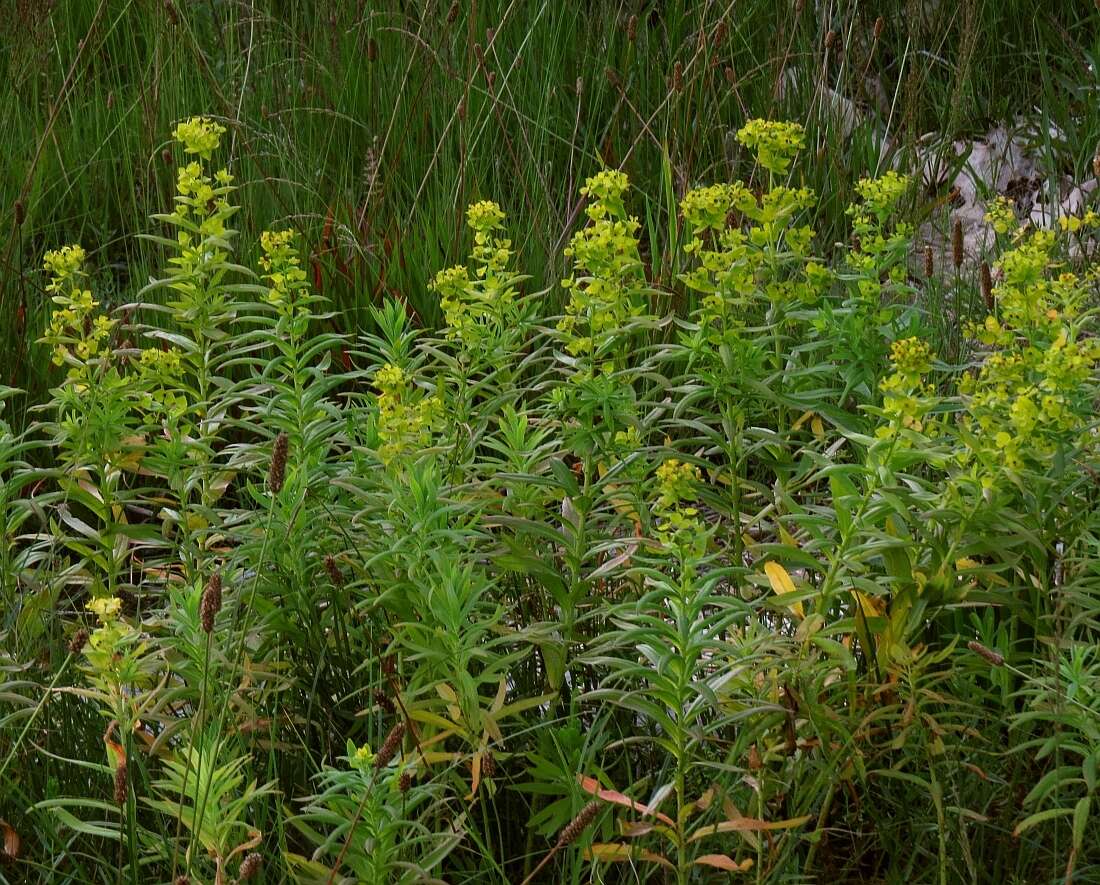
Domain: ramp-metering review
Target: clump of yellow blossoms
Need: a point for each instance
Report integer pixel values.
(677, 483)
(607, 282)
(480, 308)
(74, 334)
(162, 373)
(1001, 216)
(106, 608)
(775, 143)
(906, 398)
(199, 135)
(1035, 390)
(405, 417)
(282, 270)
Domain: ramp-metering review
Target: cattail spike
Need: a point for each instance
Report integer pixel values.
(390, 746)
(250, 867)
(632, 29)
(277, 472)
(211, 602)
(579, 824)
(994, 658)
(957, 244)
(929, 263)
(333, 571)
(122, 783)
(985, 279)
(79, 640)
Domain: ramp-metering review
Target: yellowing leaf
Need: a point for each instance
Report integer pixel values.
(614, 851)
(872, 606)
(781, 583)
(724, 862)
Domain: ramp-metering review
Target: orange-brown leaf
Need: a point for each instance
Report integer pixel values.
(592, 786)
(724, 862)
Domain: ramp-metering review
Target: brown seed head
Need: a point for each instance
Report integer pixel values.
(277, 472)
(404, 782)
(957, 244)
(880, 25)
(985, 279)
(579, 824)
(383, 701)
(929, 263)
(488, 764)
(830, 39)
(720, 33)
(731, 77)
(390, 746)
(211, 602)
(632, 28)
(20, 213)
(182, 880)
(333, 571)
(994, 658)
(122, 783)
(678, 77)
(250, 867)
(452, 13)
(79, 640)
(1096, 157)
(372, 50)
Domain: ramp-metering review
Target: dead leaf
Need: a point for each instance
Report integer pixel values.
(614, 851)
(723, 862)
(13, 845)
(591, 786)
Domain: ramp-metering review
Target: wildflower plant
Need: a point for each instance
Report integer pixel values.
(719, 586)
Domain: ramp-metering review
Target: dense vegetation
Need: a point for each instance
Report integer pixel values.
(561, 489)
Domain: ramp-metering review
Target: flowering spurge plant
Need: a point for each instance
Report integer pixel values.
(756, 588)
(608, 306)
(1031, 398)
(671, 658)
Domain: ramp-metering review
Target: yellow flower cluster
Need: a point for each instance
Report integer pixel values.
(75, 335)
(162, 371)
(282, 269)
(775, 143)
(405, 418)
(106, 608)
(676, 481)
(1000, 214)
(479, 308)
(1076, 223)
(199, 135)
(607, 269)
(679, 525)
(906, 398)
(1035, 390)
(881, 195)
